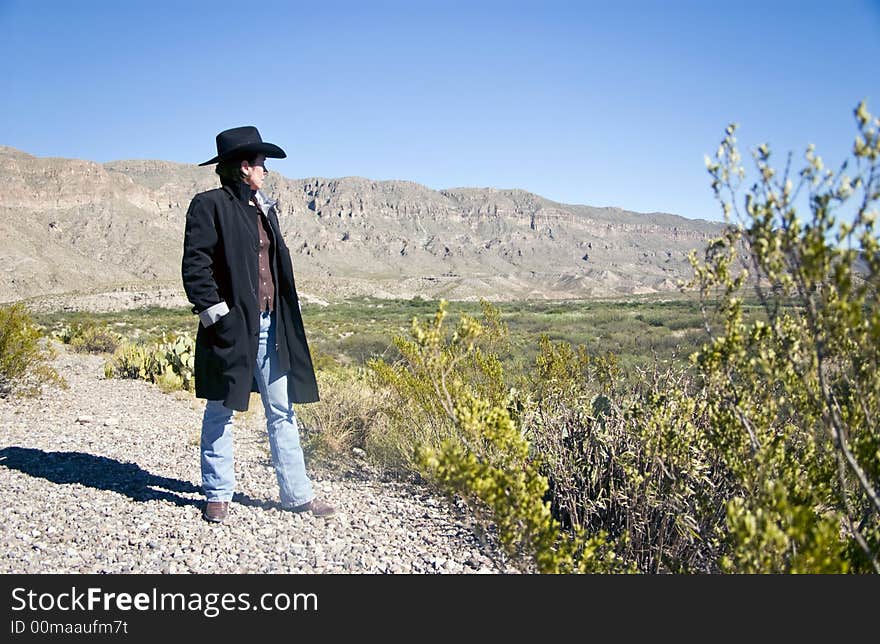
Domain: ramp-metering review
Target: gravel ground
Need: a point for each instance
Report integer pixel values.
(103, 477)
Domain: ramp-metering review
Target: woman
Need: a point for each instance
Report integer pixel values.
(238, 275)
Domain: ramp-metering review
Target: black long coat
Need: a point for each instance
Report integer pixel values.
(221, 263)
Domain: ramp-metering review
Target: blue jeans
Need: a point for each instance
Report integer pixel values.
(218, 472)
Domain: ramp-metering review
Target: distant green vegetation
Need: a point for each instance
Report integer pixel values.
(351, 333)
(146, 325)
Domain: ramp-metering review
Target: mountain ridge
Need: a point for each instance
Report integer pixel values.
(73, 223)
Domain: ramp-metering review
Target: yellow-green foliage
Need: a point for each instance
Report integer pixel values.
(450, 411)
(488, 462)
(437, 367)
(794, 401)
(347, 412)
(23, 360)
(89, 338)
(168, 363)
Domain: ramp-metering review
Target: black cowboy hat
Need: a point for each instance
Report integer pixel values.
(241, 142)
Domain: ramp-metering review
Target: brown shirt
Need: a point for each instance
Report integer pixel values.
(266, 294)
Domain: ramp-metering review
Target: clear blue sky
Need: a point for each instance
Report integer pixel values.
(599, 103)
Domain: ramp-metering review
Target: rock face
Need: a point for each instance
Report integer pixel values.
(72, 225)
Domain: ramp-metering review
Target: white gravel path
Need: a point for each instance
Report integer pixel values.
(103, 477)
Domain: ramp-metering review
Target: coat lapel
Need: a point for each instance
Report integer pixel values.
(249, 222)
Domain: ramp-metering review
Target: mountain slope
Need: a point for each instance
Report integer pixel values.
(71, 225)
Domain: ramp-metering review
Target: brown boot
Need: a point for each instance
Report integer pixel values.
(317, 507)
(216, 511)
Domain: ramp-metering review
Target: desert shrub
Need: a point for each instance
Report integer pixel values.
(168, 381)
(578, 469)
(488, 463)
(89, 338)
(322, 361)
(650, 320)
(168, 363)
(435, 368)
(347, 411)
(630, 461)
(451, 419)
(794, 397)
(146, 324)
(24, 367)
(365, 345)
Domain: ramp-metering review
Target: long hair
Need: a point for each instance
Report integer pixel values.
(230, 172)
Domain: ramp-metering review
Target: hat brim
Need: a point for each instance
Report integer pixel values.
(271, 150)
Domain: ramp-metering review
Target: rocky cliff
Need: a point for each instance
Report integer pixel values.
(72, 225)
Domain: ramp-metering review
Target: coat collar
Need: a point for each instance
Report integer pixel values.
(240, 194)
(240, 191)
(244, 193)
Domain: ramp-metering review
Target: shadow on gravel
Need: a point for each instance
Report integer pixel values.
(105, 473)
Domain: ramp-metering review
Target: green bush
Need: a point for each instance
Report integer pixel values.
(347, 411)
(794, 397)
(24, 367)
(578, 467)
(89, 338)
(168, 363)
(451, 417)
(630, 461)
(488, 464)
(417, 390)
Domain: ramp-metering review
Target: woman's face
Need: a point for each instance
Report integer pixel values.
(255, 172)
